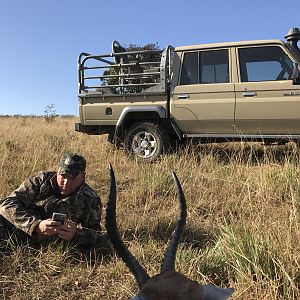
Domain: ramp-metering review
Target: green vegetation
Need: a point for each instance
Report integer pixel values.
(242, 227)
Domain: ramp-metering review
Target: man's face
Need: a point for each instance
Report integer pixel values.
(68, 185)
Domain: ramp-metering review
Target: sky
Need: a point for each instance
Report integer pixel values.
(41, 39)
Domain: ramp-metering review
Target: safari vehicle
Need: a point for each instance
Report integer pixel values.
(213, 92)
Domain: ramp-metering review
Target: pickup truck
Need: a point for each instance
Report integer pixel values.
(247, 90)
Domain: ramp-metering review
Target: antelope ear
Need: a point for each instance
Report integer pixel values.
(211, 292)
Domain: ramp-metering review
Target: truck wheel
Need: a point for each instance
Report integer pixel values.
(146, 141)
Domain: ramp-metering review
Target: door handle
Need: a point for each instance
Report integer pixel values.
(249, 94)
(183, 96)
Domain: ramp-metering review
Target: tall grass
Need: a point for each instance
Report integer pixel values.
(242, 226)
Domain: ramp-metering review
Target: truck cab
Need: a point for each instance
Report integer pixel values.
(233, 90)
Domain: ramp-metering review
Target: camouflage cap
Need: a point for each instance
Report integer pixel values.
(71, 164)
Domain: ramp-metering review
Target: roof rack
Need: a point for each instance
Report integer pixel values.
(125, 72)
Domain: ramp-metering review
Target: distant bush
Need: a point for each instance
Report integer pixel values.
(50, 113)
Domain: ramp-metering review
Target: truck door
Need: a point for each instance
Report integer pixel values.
(267, 102)
(203, 101)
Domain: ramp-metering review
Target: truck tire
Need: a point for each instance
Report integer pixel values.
(146, 141)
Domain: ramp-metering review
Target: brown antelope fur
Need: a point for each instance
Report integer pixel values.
(170, 285)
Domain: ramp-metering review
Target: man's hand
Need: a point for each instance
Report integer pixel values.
(47, 227)
(67, 230)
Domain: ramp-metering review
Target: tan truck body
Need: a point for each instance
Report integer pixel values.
(224, 91)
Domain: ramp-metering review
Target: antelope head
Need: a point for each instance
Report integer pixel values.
(168, 284)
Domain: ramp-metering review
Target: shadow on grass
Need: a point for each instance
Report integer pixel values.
(215, 270)
(244, 153)
(102, 251)
(162, 233)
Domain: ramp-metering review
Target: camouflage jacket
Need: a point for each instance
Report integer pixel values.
(38, 197)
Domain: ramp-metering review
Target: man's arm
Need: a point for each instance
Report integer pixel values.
(16, 208)
(90, 228)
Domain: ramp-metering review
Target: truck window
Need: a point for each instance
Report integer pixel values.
(205, 67)
(190, 70)
(264, 64)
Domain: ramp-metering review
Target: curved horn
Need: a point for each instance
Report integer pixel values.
(168, 263)
(136, 269)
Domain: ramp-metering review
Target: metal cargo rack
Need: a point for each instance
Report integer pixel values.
(123, 72)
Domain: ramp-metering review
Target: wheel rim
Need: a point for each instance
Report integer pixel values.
(144, 144)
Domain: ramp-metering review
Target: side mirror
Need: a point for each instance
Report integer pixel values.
(295, 74)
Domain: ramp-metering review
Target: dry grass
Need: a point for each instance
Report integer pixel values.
(242, 227)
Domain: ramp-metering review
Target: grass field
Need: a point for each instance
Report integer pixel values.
(242, 227)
